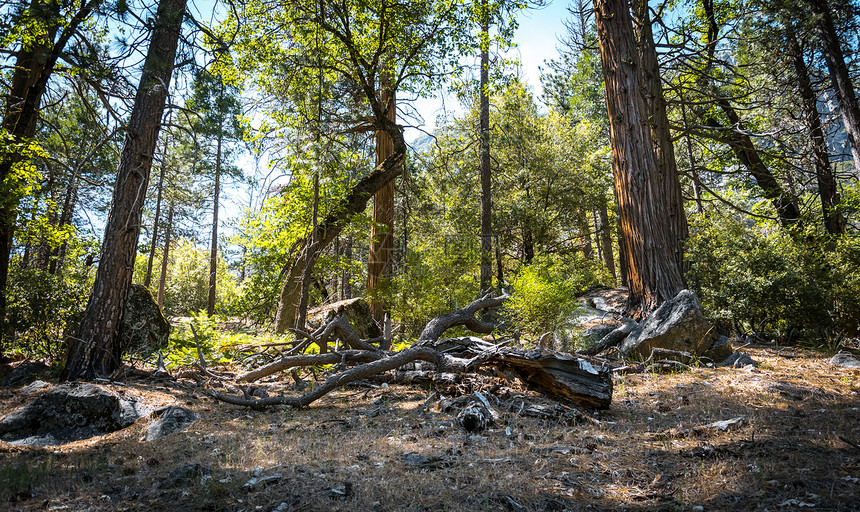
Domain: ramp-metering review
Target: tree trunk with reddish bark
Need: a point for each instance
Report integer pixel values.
(653, 274)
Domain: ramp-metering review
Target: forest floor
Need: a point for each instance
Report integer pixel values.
(395, 448)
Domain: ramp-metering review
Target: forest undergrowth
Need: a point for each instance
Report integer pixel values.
(782, 436)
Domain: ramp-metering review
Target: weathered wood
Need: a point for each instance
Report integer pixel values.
(560, 376)
(563, 377)
(288, 362)
(465, 316)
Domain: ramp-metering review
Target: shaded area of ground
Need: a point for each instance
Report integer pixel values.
(356, 450)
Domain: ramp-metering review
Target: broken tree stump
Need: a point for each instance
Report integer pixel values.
(560, 376)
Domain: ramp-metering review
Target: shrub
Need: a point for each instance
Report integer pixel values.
(187, 286)
(762, 278)
(545, 292)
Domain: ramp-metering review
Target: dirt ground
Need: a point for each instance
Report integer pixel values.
(659, 447)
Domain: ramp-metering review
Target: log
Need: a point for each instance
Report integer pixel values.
(560, 376)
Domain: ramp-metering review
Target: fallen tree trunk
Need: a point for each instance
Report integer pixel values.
(563, 377)
(560, 376)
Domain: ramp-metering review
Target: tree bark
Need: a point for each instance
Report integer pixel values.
(658, 121)
(382, 230)
(834, 223)
(34, 65)
(831, 49)
(147, 280)
(96, 350)
(165, 254)
(213, 249)
(606, 240)
(485, 172)
(746, 152)
(653, 273)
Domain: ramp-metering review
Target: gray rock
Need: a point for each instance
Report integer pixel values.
(173, 419)
(720, 350)
(182, 477)
(34, 387)
(258, 481)
(739, 360)
(845, 360)
(25, 373)
(678, 324)
(70, 413)
(144, 329)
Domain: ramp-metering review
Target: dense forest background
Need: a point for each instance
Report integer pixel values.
(124, 125)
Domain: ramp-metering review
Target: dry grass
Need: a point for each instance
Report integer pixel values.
(348, 452)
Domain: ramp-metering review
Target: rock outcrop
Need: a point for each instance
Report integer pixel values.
(70, 413)
(144, 328)
(678, 324)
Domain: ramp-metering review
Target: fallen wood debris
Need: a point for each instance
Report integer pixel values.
(563, 377)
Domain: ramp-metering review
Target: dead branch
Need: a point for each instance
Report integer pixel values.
(564, 377)
(465, 316)
(382, 364)
(288, 362)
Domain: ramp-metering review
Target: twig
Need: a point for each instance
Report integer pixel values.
(197, 343)
(855, 445)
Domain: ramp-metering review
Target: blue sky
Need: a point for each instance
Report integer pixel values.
(536, 41)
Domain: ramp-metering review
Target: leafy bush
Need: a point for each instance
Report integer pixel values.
(433, 283)
(187, 286)
(544, 293)
(763, 278)
(182, 349)
(44, 308)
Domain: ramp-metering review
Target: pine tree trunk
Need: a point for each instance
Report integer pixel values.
(653, 274)
(606, 240)
(312, 247)
(165, 254)
(96, 350)
(213, 249)
(148, 278)
(65, 218)
(738, 139)
(486, 182)
(834, 223)
(382, 230)
(585, 230)
(831, 49)
(746, 152)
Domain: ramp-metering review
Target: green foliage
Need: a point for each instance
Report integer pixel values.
(183, 346)
(544, 292)
(187, 287)
(439, 275)
(44, 307)
(759, 278)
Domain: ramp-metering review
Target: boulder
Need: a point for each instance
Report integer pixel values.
(357, 311)
(173, 419)
(845, 360)
(720, 350)
(144, 329)
(25, 373)
(70, 413)
(739, 360)
(678, 324)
